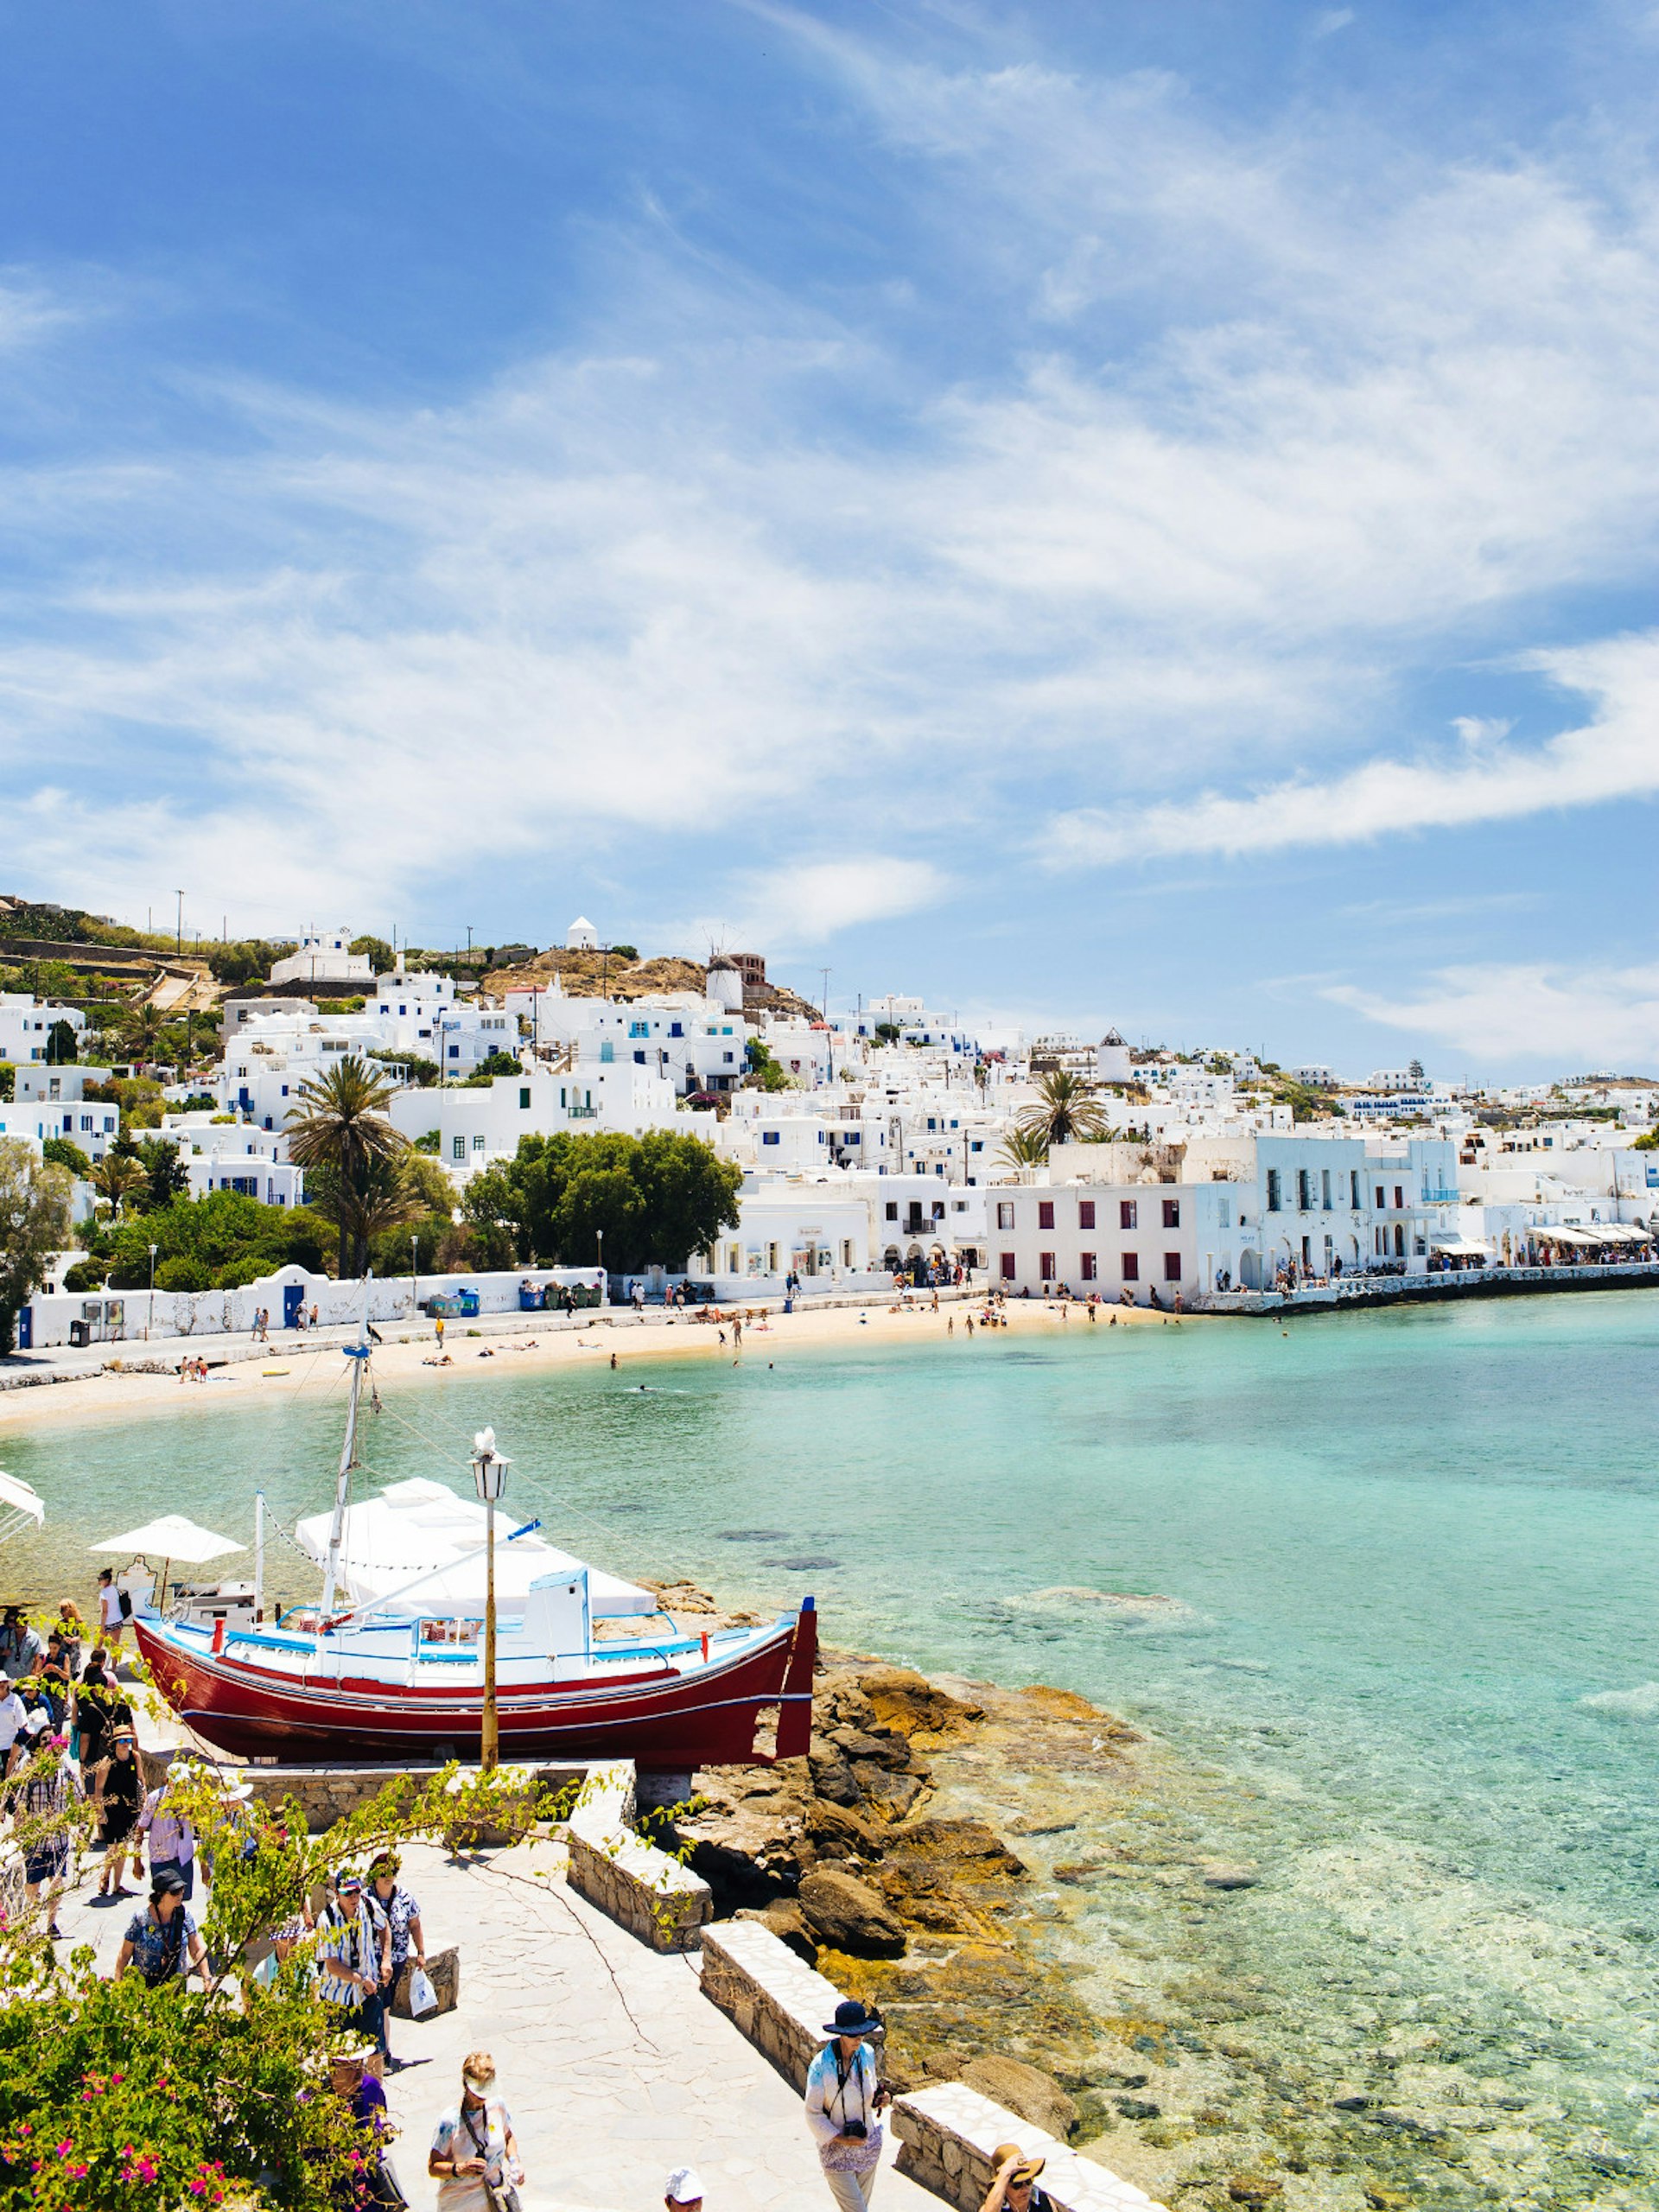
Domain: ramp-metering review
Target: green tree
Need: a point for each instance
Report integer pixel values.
(140, 1032)
(660, 1198)
(492, 1064)
(34, 1202)
(422, 1074)
(339, 1130)
(118, 1177)
(227, 1236)
(70, 1155)
(1065, 1109)
(61, 1045)
(765, 1073)
(379, 951)
(1024, 1146)
(165, 1175)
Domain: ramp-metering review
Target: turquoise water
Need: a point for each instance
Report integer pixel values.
(1413, 1563)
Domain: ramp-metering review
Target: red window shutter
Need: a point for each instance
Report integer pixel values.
(1045, 1213)
(1399, 1197)
(1087, 1268)
(1126, 1213)
(1086, 1213)
(1172, 1213)
(1172, 1266)
(1008, 1267)
(1046, 1266)
(1131, 1266)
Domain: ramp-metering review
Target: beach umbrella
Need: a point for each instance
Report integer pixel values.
(20, 1508)
(175, 1537)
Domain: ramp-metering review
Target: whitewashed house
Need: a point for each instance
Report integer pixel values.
(27, 1023)
(481, 1123)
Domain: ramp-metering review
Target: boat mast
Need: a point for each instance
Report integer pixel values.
(359, 1356)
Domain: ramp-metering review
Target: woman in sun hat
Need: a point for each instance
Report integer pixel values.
(43, 1800)
(1014, 2183)
(117, 1792)
(474, 2154)
(844, 2104)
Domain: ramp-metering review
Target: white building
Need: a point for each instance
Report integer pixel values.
(693, 1041)
(1112, 1060)
(51, 1103)
(325, 959)
(477, 1124)
(27, 1023)
(1138, 1243)
(581, 935)
(234, 1156)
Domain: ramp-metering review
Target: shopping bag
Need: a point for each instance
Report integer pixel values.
(422, 1998)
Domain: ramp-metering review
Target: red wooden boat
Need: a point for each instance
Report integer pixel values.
(396, 1681)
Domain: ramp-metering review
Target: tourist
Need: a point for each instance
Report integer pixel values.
(161, 1940)
(113, 1608)
(376, 2183)
(684, 2192)
(474, 2154)
(72, 1629)
(844, 2102)
(117, 1792)
(349, 1954)
(1014, 2183)
(171, 1836)
(99, 1709)
(40, 1801)
(21, 1647)
(14, 1720)
(393, 1911)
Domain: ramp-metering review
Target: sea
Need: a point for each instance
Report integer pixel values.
(1388, 1582)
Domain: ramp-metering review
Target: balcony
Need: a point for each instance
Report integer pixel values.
(583, 1113)
(1441, 1197)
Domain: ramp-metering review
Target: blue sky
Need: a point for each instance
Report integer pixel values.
(1143, 513)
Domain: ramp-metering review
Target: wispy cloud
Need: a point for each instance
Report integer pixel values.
(1541, 1014)
(1615, 756)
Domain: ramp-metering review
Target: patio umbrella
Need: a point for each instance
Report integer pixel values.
(175, 1537)
(19, 1507)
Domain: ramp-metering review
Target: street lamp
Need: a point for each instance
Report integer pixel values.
(414, 1274)
(151, 1316)
(490, 1476)
(604, 1294)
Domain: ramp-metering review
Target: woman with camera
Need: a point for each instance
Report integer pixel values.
(844, 2104)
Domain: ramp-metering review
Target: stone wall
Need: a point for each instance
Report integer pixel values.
(777, 2001)
(630, 1880)
(329, 1793)
(948, 2133)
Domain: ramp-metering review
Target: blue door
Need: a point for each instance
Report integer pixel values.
(26, 1329)
(293, 1298)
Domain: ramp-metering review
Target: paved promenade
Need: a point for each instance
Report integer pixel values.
(615, 2065)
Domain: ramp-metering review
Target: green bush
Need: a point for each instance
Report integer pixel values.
(182, 1273)
(68, 1154)
(87, 1274)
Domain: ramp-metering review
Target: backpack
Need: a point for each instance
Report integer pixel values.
(126, 1604)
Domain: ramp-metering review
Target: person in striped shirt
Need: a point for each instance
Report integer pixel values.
(351, 1956)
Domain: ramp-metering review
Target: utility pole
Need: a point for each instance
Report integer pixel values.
(178, 946)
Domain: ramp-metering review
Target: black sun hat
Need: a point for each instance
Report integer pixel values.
(852, 2019)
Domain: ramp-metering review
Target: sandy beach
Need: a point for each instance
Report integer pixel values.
(298, 1364)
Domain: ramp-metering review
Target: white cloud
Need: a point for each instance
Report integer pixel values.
(667, 587)
(1616, 756)
(807, 904)
(1546, 1012)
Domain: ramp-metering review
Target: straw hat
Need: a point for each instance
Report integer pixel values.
(1026, 2170)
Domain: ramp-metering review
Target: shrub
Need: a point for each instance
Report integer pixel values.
(182, 1273)
(89, 1273)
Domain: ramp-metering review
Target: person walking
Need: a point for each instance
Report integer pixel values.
(1014, 2185)
(161, 1940)
(22, 1647)
(474, 2154)
(376, 2182)
(41, 1800)
(349, 1954)
(397, 1918)
(14, 1721)
(171, 1834)
(72, 1629)
(117, 1793)
(99, 1709)
(111, 1613)
(844, 2104)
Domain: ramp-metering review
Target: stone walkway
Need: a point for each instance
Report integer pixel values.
(615, 2065)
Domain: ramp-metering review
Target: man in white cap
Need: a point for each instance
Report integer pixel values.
(684, 2191)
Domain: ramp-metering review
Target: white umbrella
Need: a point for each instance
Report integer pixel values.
(20, 1508)
(175, 1537)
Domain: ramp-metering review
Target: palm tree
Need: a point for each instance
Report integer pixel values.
(1024, 1148)
(117, 1176)
(141, 1030)
(1066, 1109)
(339, 1130)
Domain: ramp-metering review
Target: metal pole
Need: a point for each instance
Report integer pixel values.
(258, 1555)
(490, 1750)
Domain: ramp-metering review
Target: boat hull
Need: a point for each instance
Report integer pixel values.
(705, 1716)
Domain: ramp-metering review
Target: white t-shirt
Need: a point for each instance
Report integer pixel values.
(485, 2138)
(13, 1713)
(108, 1604)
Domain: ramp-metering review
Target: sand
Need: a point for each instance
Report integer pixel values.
(296, 1364)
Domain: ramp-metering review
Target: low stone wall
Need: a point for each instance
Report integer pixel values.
(777, 2001)
(949, 2134)
(330, 1793)
(630, 1880)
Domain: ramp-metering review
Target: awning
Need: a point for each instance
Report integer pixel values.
(20, 1507)
(1460, 1244)
(174, 1538)
(1618, 1232)
(420, 1526)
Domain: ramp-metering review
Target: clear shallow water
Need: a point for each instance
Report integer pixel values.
(1414, 1559)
